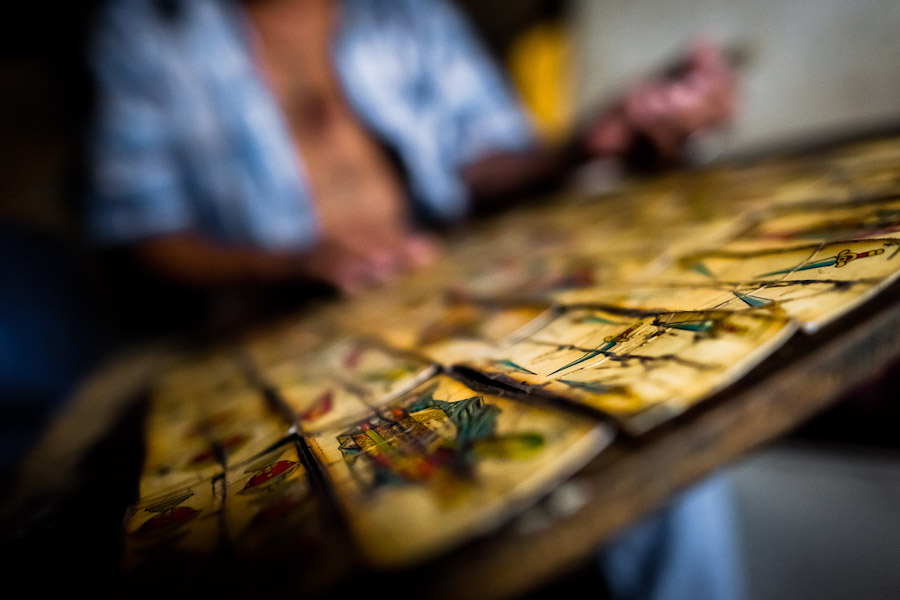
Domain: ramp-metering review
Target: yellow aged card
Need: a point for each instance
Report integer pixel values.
(641, 369)
(444, 463)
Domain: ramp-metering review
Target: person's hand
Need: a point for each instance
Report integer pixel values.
(364, 236)
(358, 260)
(696, 96)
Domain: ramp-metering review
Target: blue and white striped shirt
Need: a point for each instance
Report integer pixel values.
(188, 138)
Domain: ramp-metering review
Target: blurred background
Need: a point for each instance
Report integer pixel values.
(820, 514)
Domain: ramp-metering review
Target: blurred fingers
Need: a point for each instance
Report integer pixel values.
(359, 258)
(420, 250)
(649, 110)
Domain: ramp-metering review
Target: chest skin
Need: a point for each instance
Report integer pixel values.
(351, 181)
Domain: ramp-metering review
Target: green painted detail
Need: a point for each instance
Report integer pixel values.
(594, 387)
(699, 267)
(821, 263)
(510, 364)
(473, 418)
(596, 319)
(516, 446)
(754, 301)
(587, 356)
(697, 326)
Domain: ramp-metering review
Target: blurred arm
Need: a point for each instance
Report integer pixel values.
(657, 116)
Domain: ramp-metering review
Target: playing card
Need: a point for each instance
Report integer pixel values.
(443, 463)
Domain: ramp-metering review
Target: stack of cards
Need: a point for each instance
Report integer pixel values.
(204, 416)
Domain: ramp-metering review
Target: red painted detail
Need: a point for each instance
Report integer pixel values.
(269, 473)
(233, 442)
(353, 357)
(202, 458)
(322, 406)
(172, 518)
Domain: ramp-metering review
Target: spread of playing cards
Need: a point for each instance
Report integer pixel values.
(390, 427)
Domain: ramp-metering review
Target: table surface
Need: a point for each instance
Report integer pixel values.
(624, 482)
(64, 481)
(633, 476)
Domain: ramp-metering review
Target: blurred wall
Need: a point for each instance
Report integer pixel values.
(813, 67)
